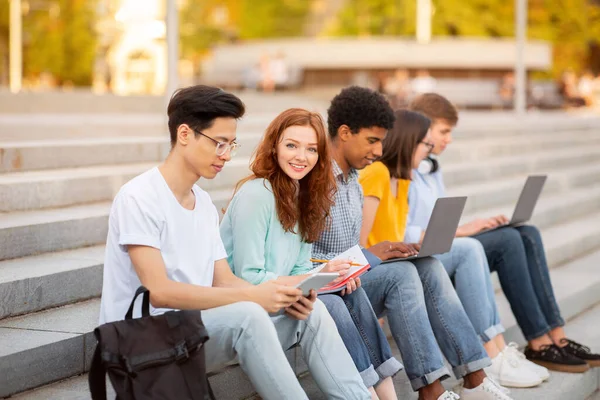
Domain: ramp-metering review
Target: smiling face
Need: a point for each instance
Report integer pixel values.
(199, 152)
(440, 135)
(363, 148)
(297, 151)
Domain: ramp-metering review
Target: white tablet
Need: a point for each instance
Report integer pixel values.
(316, 282)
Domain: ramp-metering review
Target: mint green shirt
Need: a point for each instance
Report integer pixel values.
(258, 249)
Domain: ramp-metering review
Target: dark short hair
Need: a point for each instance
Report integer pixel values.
(358, 108)
(401, 142)
(435, 106)
(198, 106)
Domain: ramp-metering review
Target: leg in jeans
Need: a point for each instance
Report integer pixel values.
(328, 360)
(506, 254)
(395, 289)
(244, 330)
(540, 276)
(351, 337)
(380, 353)
(455, 334)
(468, 268)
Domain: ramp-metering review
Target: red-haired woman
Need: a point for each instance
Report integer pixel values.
(273, 219)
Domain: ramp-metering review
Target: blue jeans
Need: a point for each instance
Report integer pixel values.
(422, 306)
(361, 333)
(469, 271)
(517, 254)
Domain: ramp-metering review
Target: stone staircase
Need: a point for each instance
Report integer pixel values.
(55, 197)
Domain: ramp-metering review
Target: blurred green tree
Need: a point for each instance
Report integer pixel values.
(572, 26)
(209, 22)
(59, 38)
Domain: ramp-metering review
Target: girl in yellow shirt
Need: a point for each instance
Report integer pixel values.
(386, 182)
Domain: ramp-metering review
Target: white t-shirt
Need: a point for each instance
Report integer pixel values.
(146, 212)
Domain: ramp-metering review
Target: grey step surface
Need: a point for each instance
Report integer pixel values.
(33, 232)
(26, 284)
(483, 149)
(487, 194)
(18, 156)
(38, 348)
(577, 287)
(552, 208)
(504, 167)
(50, 280)
(64, 187)
(595, 396)
(232, 384)
(21, 191)
(127, 145)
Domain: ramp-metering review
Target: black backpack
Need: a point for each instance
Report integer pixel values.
(153, 357)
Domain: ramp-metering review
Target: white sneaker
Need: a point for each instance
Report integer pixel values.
(508, 370)
(447, 395)
(488, 390)
(542, 372)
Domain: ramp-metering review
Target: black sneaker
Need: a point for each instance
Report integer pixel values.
(581, 351)
(556, 359)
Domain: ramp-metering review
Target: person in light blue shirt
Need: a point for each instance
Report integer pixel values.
(267, 232)
(516, 253)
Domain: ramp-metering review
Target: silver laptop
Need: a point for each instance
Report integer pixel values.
(526, 203)
(441, 228)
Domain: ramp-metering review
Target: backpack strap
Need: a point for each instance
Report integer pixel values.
(97, 377)
(145, 303)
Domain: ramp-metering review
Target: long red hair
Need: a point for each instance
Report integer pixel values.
(316, 192)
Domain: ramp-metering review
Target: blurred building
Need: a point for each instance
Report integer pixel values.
(132, 55)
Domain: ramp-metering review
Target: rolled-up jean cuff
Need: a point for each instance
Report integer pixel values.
(492, 332)
(466, 369)
(537, 334)
(389, 368)
(559, 322)
(428, 379)
(369, 376)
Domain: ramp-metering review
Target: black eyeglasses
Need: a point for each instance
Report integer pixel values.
(222, 147)
(429, 145)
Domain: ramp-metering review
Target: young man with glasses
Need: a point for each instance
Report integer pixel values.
(164, 234)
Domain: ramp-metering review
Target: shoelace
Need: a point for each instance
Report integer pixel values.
(514, 349)
(576, 346)
(495, 389)
(554, 350)
(513, 356)
(504, 390)
(451, 396)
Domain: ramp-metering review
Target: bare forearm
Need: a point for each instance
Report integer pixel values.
(184, 296)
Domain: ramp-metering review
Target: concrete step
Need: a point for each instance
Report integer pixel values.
(49, 280)
(28, 233)
(482, 149)
(40, 348)
(595, 396)
(17, 156)
(32, 190)
(83, 141)
(64, 187)
(552, 208)
(577, 288)
(571, 240)
(504, 167)
(493, 193)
